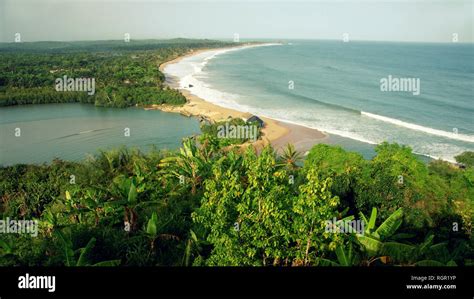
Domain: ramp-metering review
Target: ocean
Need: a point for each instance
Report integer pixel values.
(336, 87)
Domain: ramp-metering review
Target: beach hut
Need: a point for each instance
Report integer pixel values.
(256, 119)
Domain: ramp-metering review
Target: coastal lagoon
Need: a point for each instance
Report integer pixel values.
(336, 87)
(73, 131)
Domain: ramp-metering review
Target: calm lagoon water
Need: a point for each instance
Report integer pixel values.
(72, 131)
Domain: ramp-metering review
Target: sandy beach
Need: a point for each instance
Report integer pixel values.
(278, 133)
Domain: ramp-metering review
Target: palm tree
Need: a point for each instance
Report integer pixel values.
(290, 157)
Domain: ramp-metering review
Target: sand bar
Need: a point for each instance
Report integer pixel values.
(276, 132)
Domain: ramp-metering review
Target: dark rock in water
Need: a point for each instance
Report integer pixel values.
(190, 85)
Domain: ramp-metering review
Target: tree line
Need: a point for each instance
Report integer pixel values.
(126, 74)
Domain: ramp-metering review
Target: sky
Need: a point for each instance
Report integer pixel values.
(379, 20)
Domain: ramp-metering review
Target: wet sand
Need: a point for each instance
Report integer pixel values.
(278, 133)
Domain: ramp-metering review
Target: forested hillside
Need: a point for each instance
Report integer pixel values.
(125, 73)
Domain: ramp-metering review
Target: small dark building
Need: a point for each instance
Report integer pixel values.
(257, 120)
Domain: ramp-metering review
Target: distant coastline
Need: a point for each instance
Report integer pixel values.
(328, 91)
(275, 132)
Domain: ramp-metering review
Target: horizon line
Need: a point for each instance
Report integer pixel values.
(241, 40)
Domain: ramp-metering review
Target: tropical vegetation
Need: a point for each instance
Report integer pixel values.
(125, 73)
(207, 205)
(213, 202)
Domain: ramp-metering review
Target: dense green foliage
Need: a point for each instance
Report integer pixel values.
(212, 132)
(466, 158)
(206, 205)
(125, 74)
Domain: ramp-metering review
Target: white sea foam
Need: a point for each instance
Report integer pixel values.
(321, 127)
(190, 70)
(450, 135)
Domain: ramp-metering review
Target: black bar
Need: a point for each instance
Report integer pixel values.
(236, 281)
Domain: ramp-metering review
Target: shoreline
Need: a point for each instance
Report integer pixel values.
(275, 132)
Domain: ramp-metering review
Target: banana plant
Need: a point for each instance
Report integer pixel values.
(380, 244)
(153, 228)
(49, 221)
(91, 202)
(7, 253)
(114, 159)
(345, 254)
(5, 248)
(376, 243)
(190, 164)
(82, 204)
(192, 245)
(372, 241)
(434, 255)
(70, 254)
(126, 193)
(433, 263)
(71, 206)
(140, 176)
(345, 257)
